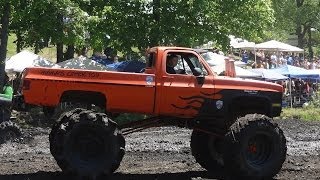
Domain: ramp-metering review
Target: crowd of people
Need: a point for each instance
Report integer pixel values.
(301, 90)
(269, 60)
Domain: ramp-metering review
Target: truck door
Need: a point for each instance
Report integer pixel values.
(184, 93)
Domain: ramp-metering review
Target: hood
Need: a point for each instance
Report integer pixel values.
(224, 82)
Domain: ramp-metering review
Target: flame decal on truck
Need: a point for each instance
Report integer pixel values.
(203, 103)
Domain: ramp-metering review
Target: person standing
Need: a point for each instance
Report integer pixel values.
(6, 100)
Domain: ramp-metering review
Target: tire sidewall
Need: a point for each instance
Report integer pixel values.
(273, 136)
(110, 145)
(236, 143)
(74, 123)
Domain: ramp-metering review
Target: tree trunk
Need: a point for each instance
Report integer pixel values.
(4, 40)
(299, 31)
(70, 52)
(310, 44)
(60, 52)
(60, 38)
(300, 36)
(37, 47)
(19, 42)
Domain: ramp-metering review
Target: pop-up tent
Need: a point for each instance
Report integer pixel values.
(278, 46)
(296, 72)
(268, 75)
(24, 59)
(244, 45)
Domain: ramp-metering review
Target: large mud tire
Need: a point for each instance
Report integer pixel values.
(86, 144)
(205, 149)
(9, 131)
(254, 148)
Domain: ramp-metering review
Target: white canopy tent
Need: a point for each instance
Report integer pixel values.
(278, 46)
(24, 59)
(244, 45)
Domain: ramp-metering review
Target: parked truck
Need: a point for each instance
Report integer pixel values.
(231, 118)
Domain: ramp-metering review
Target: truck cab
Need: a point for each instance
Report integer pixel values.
(199, 92)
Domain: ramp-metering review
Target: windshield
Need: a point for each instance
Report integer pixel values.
(213, 59)
(208, 56)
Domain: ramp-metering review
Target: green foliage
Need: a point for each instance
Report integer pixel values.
(137, 23)
(296, 17)
(315, 100)
(128, 117)
(186, 23)
(309, 114)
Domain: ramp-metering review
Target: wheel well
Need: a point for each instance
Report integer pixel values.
(250, 105)
(89, 97)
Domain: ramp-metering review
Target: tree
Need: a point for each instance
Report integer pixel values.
(186, 23)
(298, 16)
(5, 16)
(136, 23)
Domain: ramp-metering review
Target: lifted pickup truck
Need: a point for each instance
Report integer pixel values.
(231, 118)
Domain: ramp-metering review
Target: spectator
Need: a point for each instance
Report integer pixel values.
(115, 59)
(290, 60)
(6, 99)
(274, 60)
(245, 56)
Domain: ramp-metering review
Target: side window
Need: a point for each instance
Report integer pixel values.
(174, 64)
(150, 60)
(184, 63)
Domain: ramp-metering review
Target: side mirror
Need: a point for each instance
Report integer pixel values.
(197, 72)
(200, 79)
(199, 75)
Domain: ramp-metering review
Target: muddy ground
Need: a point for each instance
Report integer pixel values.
(156, 154)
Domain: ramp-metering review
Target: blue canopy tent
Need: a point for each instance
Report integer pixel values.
(296, 72)
(127, 66)
(268, 75)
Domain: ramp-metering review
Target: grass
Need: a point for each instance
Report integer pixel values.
(308, 114)
(48, 53)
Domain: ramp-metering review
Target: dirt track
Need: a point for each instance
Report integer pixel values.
(158, 153)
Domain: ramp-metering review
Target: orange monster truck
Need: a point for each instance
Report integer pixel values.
(231, 118)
